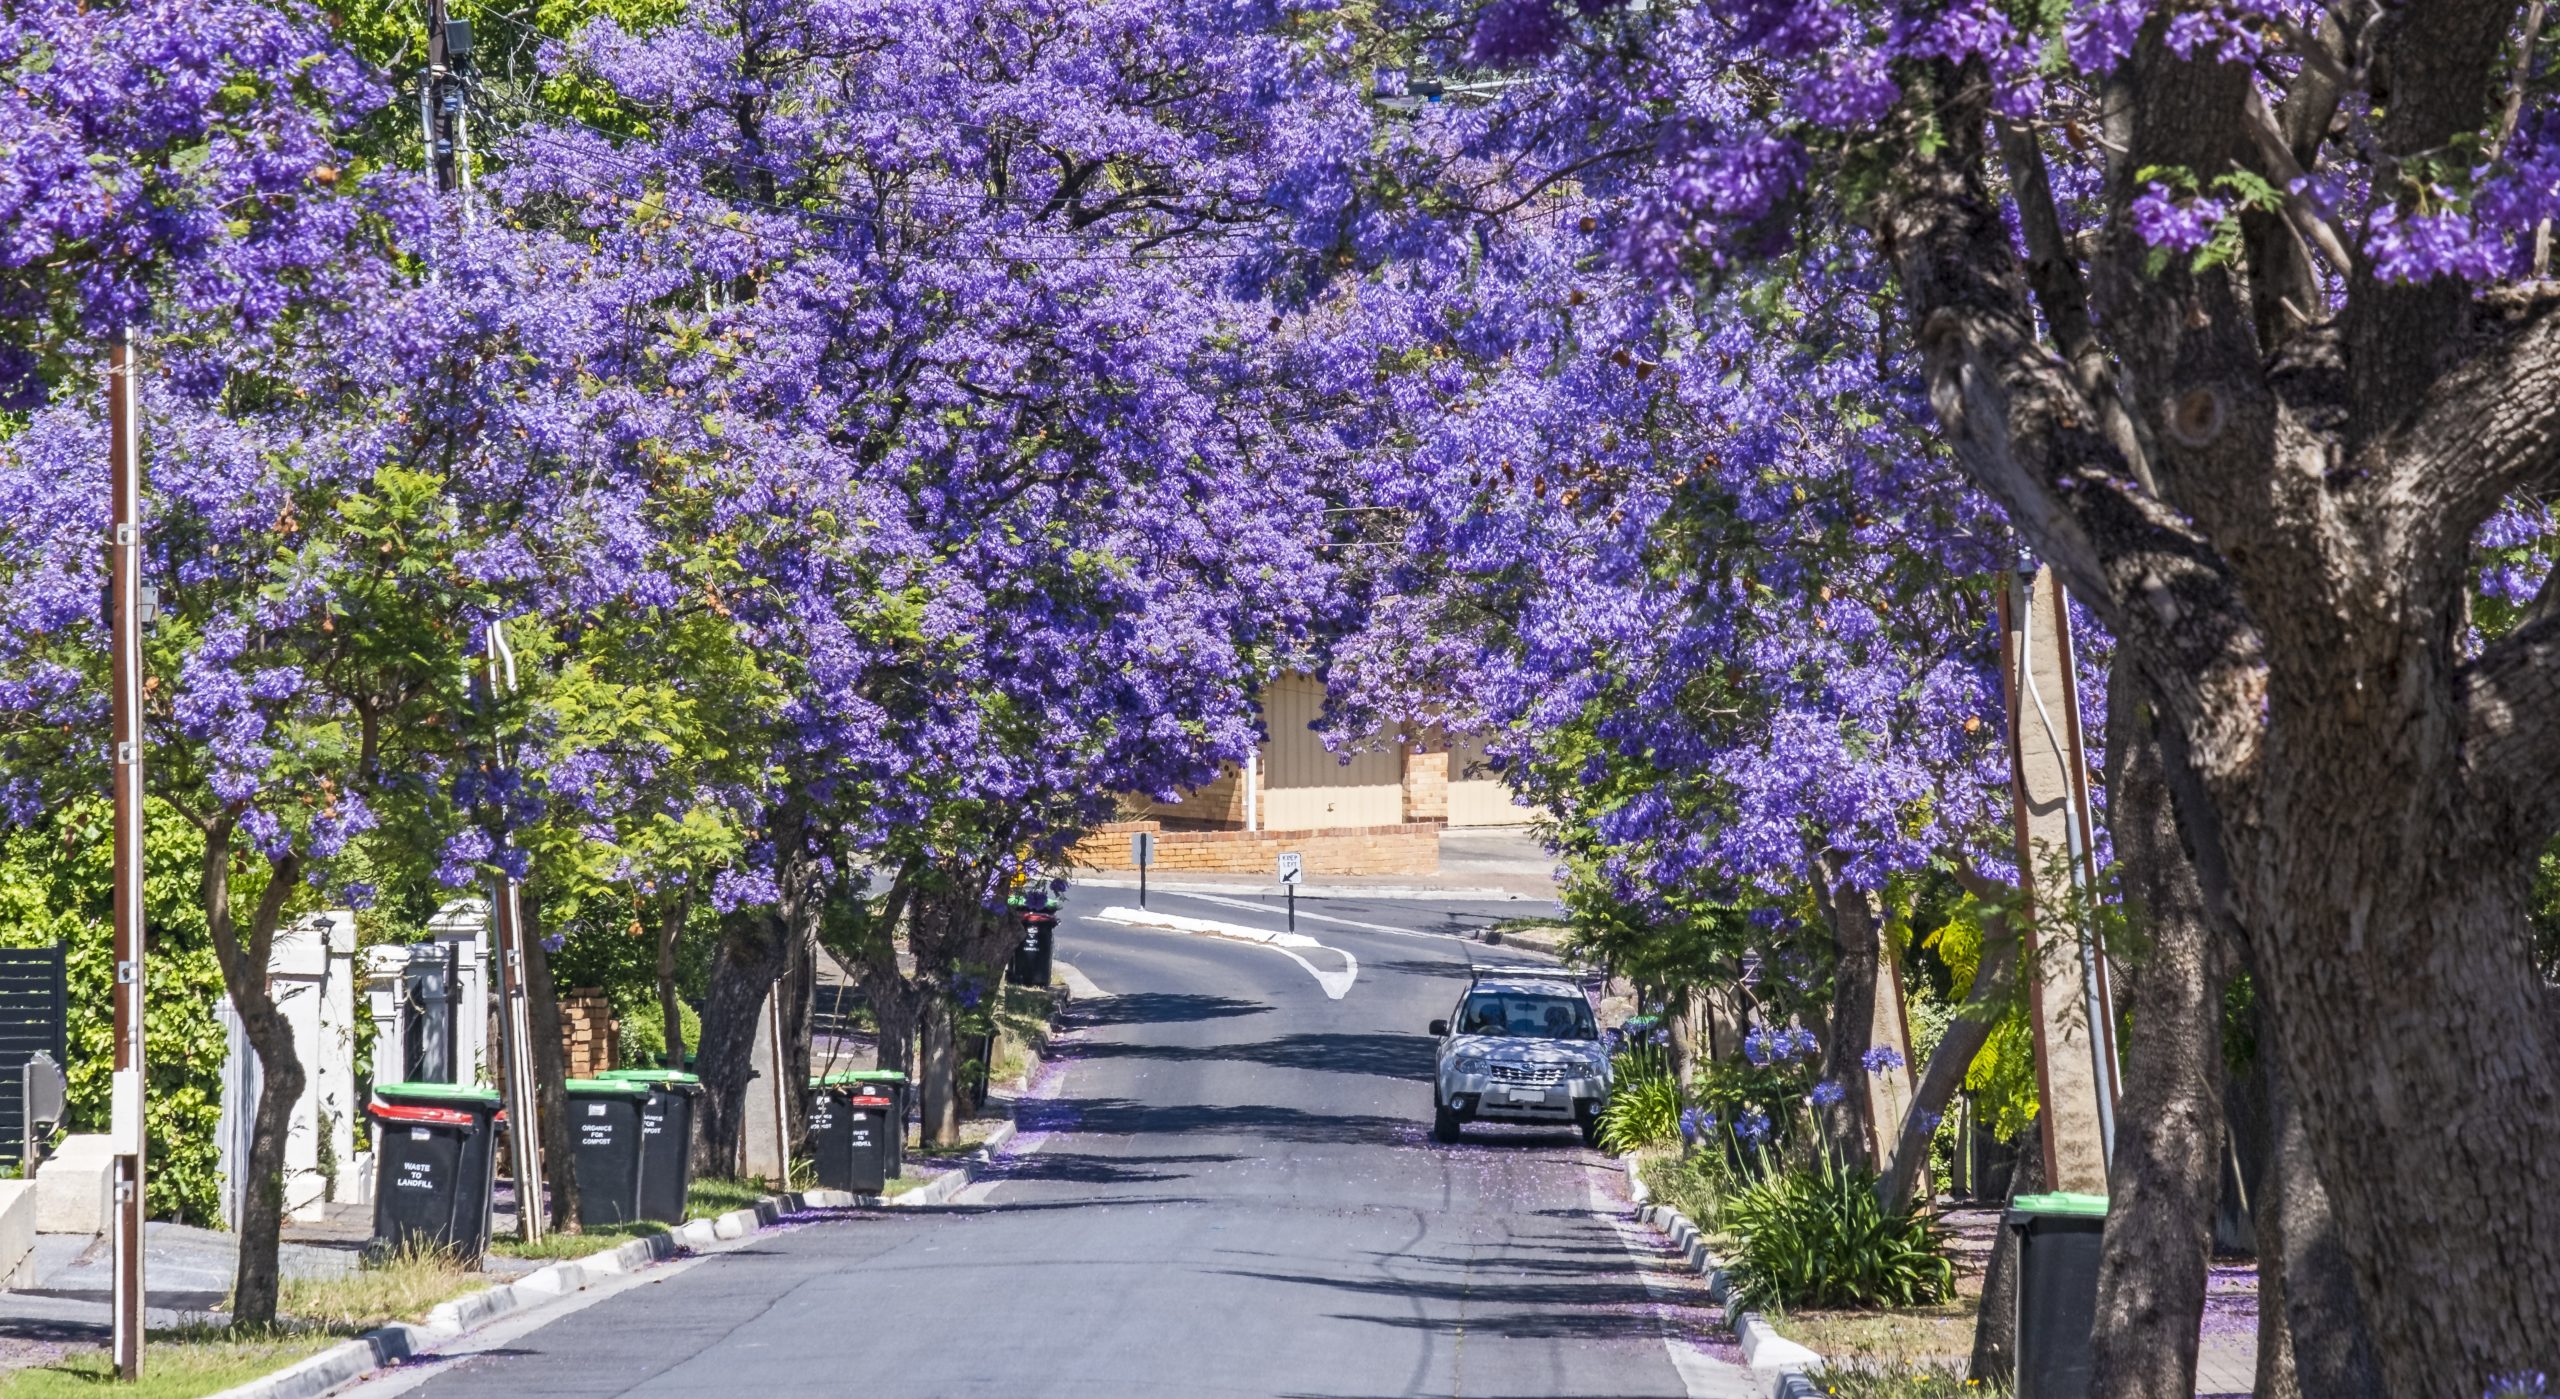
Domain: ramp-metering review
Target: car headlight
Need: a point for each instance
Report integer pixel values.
(1469, 1063)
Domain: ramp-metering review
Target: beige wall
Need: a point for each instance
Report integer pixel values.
(1306, 786)
(1476, 796)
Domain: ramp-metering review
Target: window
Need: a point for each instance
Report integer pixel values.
(1523, 1015)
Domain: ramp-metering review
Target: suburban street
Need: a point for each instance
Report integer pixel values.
(1226, 1187)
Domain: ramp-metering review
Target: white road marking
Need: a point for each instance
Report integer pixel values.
(1329, 918)
(1335, 984)
(1080, 986)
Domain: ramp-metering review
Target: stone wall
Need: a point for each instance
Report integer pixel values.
(1411, 848)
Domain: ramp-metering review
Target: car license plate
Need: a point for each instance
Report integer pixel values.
(1528, 1095)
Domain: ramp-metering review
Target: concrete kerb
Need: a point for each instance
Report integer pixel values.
(402, 1341)
(1784, 1362)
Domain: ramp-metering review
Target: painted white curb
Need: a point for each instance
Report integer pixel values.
(1763, 1349)
(1336, 984)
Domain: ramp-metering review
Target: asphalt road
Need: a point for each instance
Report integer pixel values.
(1227, 1189)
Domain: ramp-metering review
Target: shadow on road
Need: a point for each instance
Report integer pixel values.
(1158, 1008)
(1603, 1304)
(1383, 1055)
(1126, 1117)
(1078, 1168)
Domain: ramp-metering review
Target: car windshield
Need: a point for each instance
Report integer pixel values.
(1527, 1015)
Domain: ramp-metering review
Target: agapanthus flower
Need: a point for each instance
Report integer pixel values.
(1752, 1126)
(2521, 1385)
(1827, 1092)
(1882, 1059)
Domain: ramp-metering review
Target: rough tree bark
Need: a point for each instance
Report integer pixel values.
(2162, 1182)
(550, 1075)
(1857, 933)
(670, 930)
(750, 955)
(1995, 1326)
(2312, 1340)
(244, 974)
(757, 947)
(938, 1073)
(2287, 565)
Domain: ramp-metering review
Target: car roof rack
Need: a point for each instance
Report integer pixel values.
(1525, 970)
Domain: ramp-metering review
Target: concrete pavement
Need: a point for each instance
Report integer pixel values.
(1229, 1189)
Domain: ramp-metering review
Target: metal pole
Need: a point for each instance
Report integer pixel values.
(524, 1140)
(1293, 906)
(781, 1090)
(124, 432)
(444, 103)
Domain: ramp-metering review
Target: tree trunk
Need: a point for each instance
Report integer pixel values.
(1995, 1326)
(669, 1007)
(2321, 1347)
(1857, 928)
(939, 1072)
(2167, 1167)
(798, 992)
(1995, 978)
(550, 1075)
(244, 974)
(743, 968)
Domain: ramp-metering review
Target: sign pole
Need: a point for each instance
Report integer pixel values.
(1293, 870)
(124, 432)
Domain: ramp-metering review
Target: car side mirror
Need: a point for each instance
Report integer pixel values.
(1440, 1027)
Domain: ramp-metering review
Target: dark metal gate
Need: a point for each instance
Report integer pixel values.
(34, 1001)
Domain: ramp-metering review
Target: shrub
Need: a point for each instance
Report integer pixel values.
(1644, 1103)
(1815, 1236)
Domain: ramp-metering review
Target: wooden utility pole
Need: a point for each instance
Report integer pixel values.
(2066, 970)
(515, 1055)
(124, 606)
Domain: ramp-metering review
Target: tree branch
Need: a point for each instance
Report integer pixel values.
(2485, 428)
(2511, 719)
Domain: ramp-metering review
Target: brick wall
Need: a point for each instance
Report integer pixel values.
(1426, 785)
(1412, 848)
(588, 1034)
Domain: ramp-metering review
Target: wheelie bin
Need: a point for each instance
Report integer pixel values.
(1035, 954)
(2058, 1246)
(666, 1140)
(419, 1195)
(605, 1141)
(849, 1134)
(893, 1085)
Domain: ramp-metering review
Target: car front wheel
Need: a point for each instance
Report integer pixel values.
(1444, 1123)
(1589, 1121)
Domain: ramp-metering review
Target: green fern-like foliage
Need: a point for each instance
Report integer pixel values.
(1815, 1236)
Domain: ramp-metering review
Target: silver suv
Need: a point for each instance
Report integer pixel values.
(1523, 1046)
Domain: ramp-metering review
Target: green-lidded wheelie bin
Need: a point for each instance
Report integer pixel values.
(894, 1086)
(666, 1140)
(2058, 1247)
(604, 1139)
(435, 1166)
(849, 1134)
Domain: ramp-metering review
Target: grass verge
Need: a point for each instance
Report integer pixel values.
(400, 1287)
(1898, 1336)
(1900, 1382)
(180, 1364)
